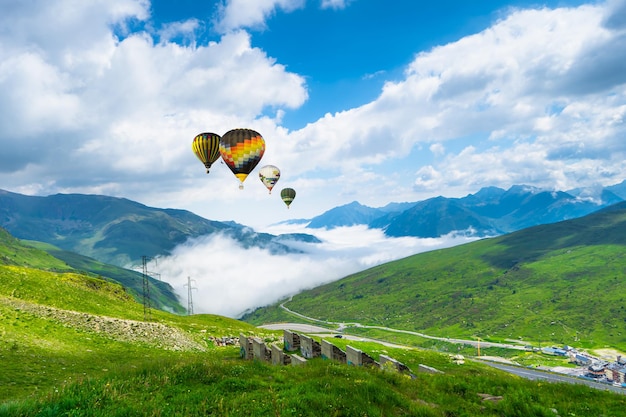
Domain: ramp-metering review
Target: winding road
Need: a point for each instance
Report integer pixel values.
(523, 372)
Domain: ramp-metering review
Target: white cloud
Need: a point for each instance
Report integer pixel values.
(185, 28)
(121, 112)
(335, 4)
(238, 14)
(537, 80)
(231, 280)
(437, 149)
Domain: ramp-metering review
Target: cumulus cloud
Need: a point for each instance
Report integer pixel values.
(230, 280)
(120, 110)
(238, 14)
(544, 81)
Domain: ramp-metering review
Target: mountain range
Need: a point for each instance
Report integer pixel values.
(109, 236)
(489, 212)
(119, 231)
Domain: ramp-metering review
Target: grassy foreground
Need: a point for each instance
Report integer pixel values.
(54, 362)
(219, 383)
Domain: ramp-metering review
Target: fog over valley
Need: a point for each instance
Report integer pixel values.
(229, 280)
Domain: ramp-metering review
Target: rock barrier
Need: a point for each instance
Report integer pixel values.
(253, 348)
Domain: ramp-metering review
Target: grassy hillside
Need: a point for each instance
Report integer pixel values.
(162, 295)
(13, 252)
(45, 256)
(57, 327)
(560, 283)
(76, 345)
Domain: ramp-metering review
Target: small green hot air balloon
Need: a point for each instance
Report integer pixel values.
(206, 146)
(288, 194)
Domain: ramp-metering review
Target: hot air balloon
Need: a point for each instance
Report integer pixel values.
(269, 175)
(287, 194)
(241, 150)
(206, 146)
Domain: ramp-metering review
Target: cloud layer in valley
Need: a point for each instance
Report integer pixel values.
(230, 280)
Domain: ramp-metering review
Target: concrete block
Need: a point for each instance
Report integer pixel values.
(292, 341)
(354, 356)
(245, 347)
(428, 369)
(279, 357)
(358, 358)
(387, 362)
(332, 352)
(309, 348)
(297, 360)
(260, 351)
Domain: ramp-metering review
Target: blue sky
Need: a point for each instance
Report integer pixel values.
(366, 100)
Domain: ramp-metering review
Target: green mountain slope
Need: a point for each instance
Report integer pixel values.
(116, 230)
(13, 252)
(112, 230)
(45, 256)
(559, 283)
(162, 295)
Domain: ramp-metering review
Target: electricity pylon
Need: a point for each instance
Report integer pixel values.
(189, 298)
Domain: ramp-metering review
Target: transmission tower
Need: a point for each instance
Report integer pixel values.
(147, 314)
(189, 298)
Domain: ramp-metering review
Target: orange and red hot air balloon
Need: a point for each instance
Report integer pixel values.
(242, 150)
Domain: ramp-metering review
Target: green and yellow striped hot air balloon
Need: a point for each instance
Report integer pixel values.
(206, 146)
(242, 150)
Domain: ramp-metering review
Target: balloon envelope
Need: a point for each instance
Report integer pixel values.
(206, 146)
(241, 150)
(269, 175)
(287, 195)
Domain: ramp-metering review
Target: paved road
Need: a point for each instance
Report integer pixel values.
(533, 374)
(340, 326)
(297, 327)
(324, 332)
